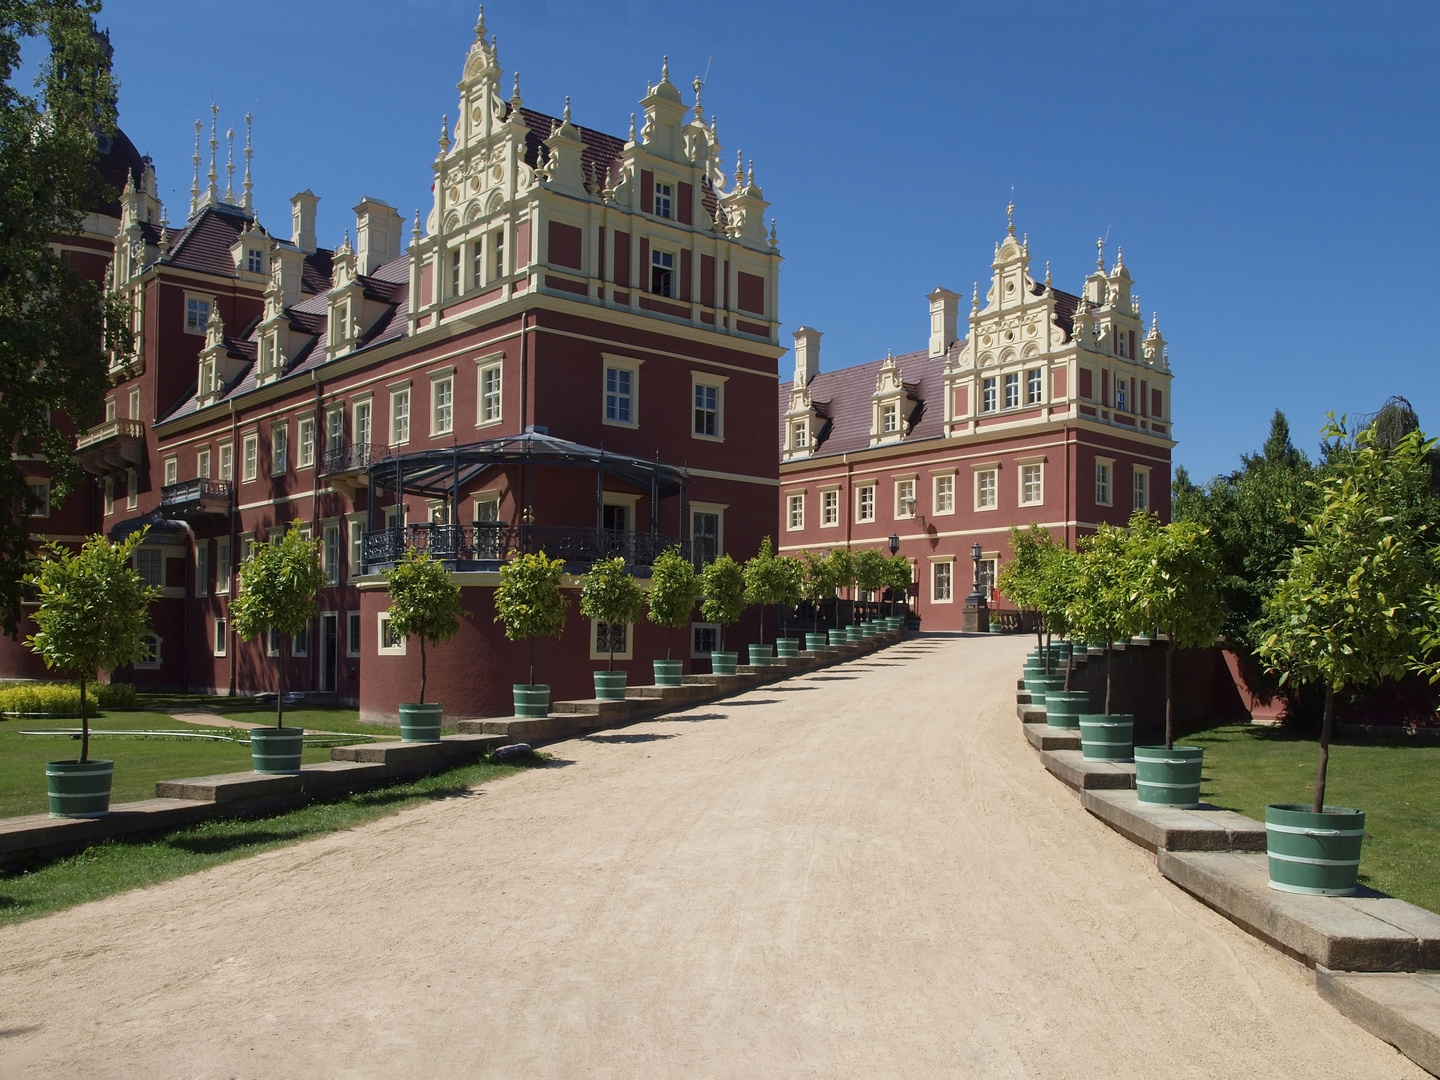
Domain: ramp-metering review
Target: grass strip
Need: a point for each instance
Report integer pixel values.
(116, 866)
(1396, 783)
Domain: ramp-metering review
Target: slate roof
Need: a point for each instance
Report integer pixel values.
(203, 244)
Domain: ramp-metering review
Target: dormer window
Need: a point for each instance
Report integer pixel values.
(662, 273)
(801, 436)
(340, 322)
(662, 202)
(267, 354)
(889, 419)
(254, 261)
(197, 314)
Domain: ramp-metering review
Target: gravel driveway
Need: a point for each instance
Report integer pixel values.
(863, 872)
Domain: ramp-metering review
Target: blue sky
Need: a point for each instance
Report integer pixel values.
(1269, 168)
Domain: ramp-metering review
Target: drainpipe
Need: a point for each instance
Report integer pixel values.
(316, 644)
(230, 644)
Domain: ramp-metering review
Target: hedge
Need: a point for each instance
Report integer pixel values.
(63, 699)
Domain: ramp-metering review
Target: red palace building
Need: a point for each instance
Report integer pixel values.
(561, 359)
(1054, 409)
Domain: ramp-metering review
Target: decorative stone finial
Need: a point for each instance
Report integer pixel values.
(739, 172)
(1120, 258)
(750, 174)
(1010, 217)
(664, 70)
(195, 183)
(566, 117)
(1047, 273)
(975, 298)
(515, 93)
(1100, 254)
(445, 133)
(245, 201)
(774, 240)
(480, 25)
(210, 191)
(632, 127)
(415, 229)
(230, 167)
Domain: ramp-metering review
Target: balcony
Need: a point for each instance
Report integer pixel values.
(195, 499)
(348, 467)
(485, 545)
(111, 447)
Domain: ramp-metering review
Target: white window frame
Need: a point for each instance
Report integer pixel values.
(490, 496)
(352, 633)
(279, 447)
(795, 511)
(172, 470)
(664, 197)
(442, 402)
(132, 489)
(902, 484)
(272, 642)
(1023, 465)
(830, 508)
(714, 628)
(109, 496)
(222, 581)
(335, 428)
(990, 559)
(355, 544)
(192, 299)
(134, 403)
(620, 363)
(250, 458)
(486, 367)
(220, 636)
(1012, 390)
(861, 500)
(400, 420)
(1105, 468)
(1035, 386)
(225, 461)
(936, 562)
(330, 552)
(155, 659)
(937, 483)
(711, 382)
(628, 653)
(305, 455)
(667, 262)
(202, 463)
(989, 394)
(1140, 487)
(300, 643)
(890, 418)
(800, 435)
(382, 622)
(992, 471)
(41, 490)
(362, 406)
(202, 567)
(718, 509)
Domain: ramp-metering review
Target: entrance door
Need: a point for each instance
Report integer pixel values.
(329, 650)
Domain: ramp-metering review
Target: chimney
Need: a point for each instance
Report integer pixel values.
(807, 355)
(302, 217)
(377, 233)
(944, 315)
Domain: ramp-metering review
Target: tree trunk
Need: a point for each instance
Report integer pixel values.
(1040, 645)
(1169, 696)
(1070, 666)
(422, 669)
(1109, 672)
(1318, 807)
(762, 624)
(84, 726)
(611, 665)
(1047, 652)
(280, 696)
(532, 661)
(669, 641)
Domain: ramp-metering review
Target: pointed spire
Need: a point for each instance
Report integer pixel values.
(975, 299)
(632, 127)
(210, 192)
(1047, 273)
(415, 229)
(1100, 254)
(445, 133)
(230, 167)
(164, 231)
(664, 70)
(246, 203)
(1010, 217)
(515, 94)
(774, 240)
(480, 25)
(750, 174)
(566, 116)
(739, 172)
(195, 183)
(1119, 260)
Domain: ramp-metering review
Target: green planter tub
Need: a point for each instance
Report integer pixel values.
(816, 642)
(787, 646)
(668, 672)
(79, 790)
(276, 750)
(1107, 738)
(838, 638)
(852, 635)
(723, 663)
(1316, 854)
(610, 685)
(532, 700)
(420, 723)
(995, 628)
(1041, 689)
(1169, 777)
(760, 655)
(1064, 707)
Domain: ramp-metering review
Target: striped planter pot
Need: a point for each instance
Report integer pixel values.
(1316, 854)
(610, 686)
(276, 751)
(759, 655)
(787, 646)
(79, 789)
(420, 723)
(1063, 707)
(1107, 738)
(531, 700)
(839, 637)
(1169, 777)
(816, 642)
(723, 663)
(667, 672)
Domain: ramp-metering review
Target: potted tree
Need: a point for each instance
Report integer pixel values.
(278, 584)
(870, 578)
(899, 574)
(1021, 578)
(93, 616)
(791, 573)
(1060, 569)
(674, 588)
(817, 584)
(1102, 608)
(1177, 582)
(424, 603)
(1343, 617)
(530, 604)
(842, 576)
(610, 596)
(767, 581)
(723, 583)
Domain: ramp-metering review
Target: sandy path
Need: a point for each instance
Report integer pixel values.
(859, 873)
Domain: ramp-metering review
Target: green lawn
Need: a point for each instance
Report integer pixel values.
(116, 866)
(329, 718)
(1397, 785)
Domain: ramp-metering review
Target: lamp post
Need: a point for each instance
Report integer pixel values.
(894, 550)
(976, 618)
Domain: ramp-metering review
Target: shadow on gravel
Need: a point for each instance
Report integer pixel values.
(832, 678)
(10, 1033)
(790, 689)
(696, 717)
(757, 701)
(650, 736)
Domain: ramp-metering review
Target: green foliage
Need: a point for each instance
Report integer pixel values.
(609, 594)
(842, 570)
(94, 611)
(1176, 582)
(723, 583)
(1102, 606)
(870, 569)
(1060, 569)
(674, 589)
(63, 699)
(278, 583)
(55, 326)
(424, 602)
(771, 579)
(1022, 577)
(529, 600)
(899, 573)
(817, 581)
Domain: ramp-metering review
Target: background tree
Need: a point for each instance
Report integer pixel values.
(899, 573)
(1348, 612)
(424, 602)
(1022, 577)
(674, 589)
(1102, 606)
(767, 580)
(55, 326)
(791, 575)
(529, 601)
(817, 583)
(842, 575)
(278, 584)
(94, 612)
(723, 583)
(1059, 568)
(610, 595)
(870, 570)
(1177, 585)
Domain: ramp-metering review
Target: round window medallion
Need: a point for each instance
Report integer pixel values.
(498, 172)
(1009, 335)
(1010, 287)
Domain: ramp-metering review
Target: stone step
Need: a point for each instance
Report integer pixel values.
(1401, 1008)
(531, 729)
(1174, 828)
(1071, 767)
(1368, 932)
(613, 711)
(1031, 714)
(33, 836)
(669, 695)
(1043, 737)
(450, 748)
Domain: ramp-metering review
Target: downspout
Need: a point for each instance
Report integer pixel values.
(317, 646)
(230, 644)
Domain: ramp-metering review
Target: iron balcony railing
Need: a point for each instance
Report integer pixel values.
(493, 541)
(196, 493)
(353, 457)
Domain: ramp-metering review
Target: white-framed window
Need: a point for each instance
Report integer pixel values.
(247, 547)
(497, 252)
(1140, 488)
(202, 464)
(454, 284)
(865, 503)
(222, 565)
(488, 408)
(989, 391)
(221, 636)
(153, 645)
(707, 532)
(251, 460)
(1104, 473)
(300, 643)
(202, 567)
(943, 497)
(487, 506)
(801, 436)
(357, 552)
(150, 565)
(361, 426)
(662, 272)
(172, 470)
(664, 195)
(109, 495)
(197, 314)
(795, 519)
(889, 418)
(830, 506)
(621, 406)
(987, 577)
(704, 639)
(272, 642)
(905, 498)
(134, 403)
(1121, 386)
(399, 417)
(254, 261)
(1034, 386)
(110, 410)
(279, 448)
(40, 491)
(477, 263)
(604, 636)
(334, 429)
(352, 633)
(942, 581)
(391, 643)
(132, 489)
(330, 552)
(305, 458)
(442, 404)
(707, 397)
(226, 463)
(1012, 390)
(1032, 484)
(987, 489)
